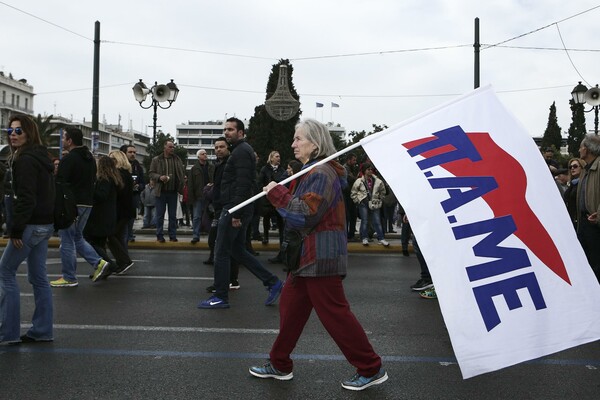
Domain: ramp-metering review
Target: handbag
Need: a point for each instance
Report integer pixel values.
(375, 204)
(291, 249)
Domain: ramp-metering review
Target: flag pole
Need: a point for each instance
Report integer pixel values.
(296, 175)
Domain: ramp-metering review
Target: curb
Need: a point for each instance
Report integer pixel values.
(184, 244)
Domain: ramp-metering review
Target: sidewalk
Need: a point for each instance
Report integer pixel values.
(146, 239)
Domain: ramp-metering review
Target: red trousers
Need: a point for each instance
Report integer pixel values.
(326, 296)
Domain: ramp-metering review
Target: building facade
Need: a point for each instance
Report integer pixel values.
(16, 96)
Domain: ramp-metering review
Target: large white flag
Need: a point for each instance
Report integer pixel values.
(512, 280)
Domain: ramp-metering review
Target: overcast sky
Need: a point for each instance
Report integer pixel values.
(220, 55)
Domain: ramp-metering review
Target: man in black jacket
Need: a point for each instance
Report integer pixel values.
(237, 185)
(77, 170)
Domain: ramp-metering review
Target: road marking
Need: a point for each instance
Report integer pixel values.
(174, 278)
(159, 329)
(49, 348)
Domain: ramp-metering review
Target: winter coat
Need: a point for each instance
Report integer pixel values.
(33, 187)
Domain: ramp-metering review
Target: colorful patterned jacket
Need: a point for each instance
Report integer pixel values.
(317, 204)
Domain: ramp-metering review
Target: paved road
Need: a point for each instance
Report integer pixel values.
(141, 337)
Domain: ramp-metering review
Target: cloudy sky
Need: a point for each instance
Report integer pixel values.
(382, 61)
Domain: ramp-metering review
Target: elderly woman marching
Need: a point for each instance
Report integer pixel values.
(317, 208)
(32, 226)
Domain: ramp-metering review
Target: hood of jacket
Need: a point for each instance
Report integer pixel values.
(39, 153)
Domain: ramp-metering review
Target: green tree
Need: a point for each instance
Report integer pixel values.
(356, 137)
(265, 133)
(577, 128)
(46, 128)
(154, 149)
(552, 135)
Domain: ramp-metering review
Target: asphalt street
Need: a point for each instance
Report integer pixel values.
(140, 336)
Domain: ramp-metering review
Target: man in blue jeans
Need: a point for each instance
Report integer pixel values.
(201, 174)
(168, 171)
(77, 170)
(237, 185)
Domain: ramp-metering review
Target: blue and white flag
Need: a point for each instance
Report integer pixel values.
(319, 105)
(335, 105)
(512, 281)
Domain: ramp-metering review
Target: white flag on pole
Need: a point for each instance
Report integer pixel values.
(512, 280)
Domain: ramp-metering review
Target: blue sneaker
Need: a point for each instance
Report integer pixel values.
(359, 382)
(268, 371)
(213, 302)
(274, 292)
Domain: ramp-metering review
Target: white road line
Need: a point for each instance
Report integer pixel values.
(174, 278)
(160, 329)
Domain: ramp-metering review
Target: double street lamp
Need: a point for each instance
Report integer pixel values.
(159, 93)
(582, 95)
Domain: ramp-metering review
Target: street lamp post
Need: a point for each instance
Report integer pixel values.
(159, 94)
(582, 95)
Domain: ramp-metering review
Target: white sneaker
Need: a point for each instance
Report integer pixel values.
(365, 242)
(384, 242)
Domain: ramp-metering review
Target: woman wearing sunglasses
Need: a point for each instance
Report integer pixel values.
(575, 166)
(32, 226)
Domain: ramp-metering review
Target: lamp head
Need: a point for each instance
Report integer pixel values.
(140, 91)
(578, 93)
(174, 91)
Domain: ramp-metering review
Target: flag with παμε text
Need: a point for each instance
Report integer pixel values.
(505, 260)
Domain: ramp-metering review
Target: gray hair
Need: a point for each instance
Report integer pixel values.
(319, 135)
(592, 143)
(199, 151)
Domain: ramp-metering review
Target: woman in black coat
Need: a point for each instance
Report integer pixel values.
(102, 221)
(272, 172)
(117, 243)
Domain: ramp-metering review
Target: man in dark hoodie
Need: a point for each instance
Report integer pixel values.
(77, 170)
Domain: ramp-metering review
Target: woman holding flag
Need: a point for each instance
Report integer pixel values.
(316, 210)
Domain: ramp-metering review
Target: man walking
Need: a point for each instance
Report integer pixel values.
(588, 201)
(237, 185)
(77, 171)
(168, 171)
(137, 173)
(201, 174)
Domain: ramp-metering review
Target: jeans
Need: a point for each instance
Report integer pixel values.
(35, 249)
(231, 243)
(166, 199)
(197, 218)
(149, 219)
(8, 201)
(72, 242)
(375, 216)
(424, 268)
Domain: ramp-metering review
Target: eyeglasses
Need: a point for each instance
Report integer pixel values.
(574, 166)
(17, 130)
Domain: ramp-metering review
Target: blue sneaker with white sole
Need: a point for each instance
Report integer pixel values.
(274, 292)
(269, 371)
(213, 302)
(359, 382)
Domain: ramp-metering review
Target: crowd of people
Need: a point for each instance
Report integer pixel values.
(99, 198)
(322, 207)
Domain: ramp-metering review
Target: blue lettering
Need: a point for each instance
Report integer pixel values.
(479, 185)
(508, 289)
(455, 137)
(508, 258)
